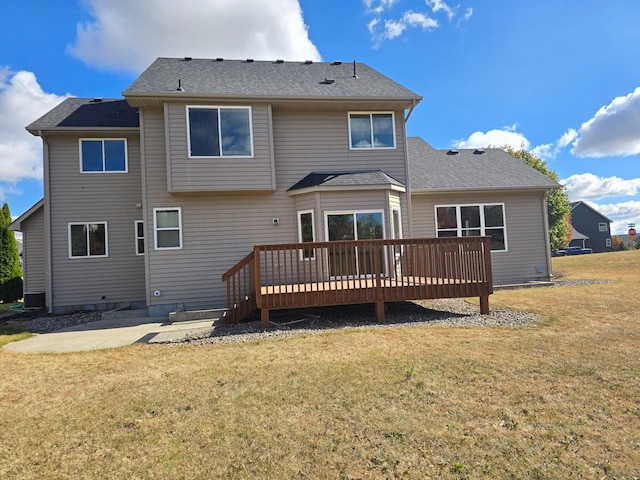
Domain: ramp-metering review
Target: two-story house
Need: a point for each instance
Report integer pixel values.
(591, 228)
(150, 199)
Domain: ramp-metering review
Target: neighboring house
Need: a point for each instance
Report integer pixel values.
(593, 225)
(150, 199)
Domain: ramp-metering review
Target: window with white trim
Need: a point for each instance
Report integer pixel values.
(306, 232)
(219, 131)
(371, 130)
(88, 240)
(603, 227)
(473, 221)
(167, 228)
(100, 155)
(608, 242)
(139, 232)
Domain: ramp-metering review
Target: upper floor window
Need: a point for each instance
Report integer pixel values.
(88, 239)
(603, 227)
(103, 155)
(371, 130)
(473, 221)
(219, 131)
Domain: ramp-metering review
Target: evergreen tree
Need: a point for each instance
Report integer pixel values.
(10, 271)
(558, 204)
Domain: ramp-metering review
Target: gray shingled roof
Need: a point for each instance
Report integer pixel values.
(88, 113)
(346, 179)
(434, 170)
(268, 79)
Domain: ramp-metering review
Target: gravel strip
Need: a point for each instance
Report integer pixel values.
(442, 312)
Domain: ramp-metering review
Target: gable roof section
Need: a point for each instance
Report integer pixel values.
(434, 170)
(87, 113)
(580, 203)
(268, 80)
(16, 225)
(346, 180)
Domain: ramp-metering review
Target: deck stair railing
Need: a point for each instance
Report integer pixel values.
(288, 276)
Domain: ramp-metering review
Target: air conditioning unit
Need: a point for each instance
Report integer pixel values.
(35, 300)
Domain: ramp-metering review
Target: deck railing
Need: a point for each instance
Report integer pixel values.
(286, 276)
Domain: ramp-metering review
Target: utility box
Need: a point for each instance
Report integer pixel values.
(35, 300)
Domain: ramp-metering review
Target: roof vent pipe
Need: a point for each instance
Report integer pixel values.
(355, 75)
(179, 89)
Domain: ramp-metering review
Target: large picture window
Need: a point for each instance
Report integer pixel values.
(219, 131)
(371, 130)
(87, 239)
(167, 225)
(103, 155)
(473, 221)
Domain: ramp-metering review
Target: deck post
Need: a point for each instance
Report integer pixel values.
(484, 305)
(264, 318)
(380, 312)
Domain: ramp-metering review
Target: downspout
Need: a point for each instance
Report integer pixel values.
(409, 215)
(47, 222)
(545, 216)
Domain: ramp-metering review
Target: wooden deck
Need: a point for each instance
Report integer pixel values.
(287, 276)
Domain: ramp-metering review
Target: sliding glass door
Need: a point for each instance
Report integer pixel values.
(349, 261)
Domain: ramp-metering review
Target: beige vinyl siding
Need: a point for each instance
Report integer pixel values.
(113, 198)
(34, 253)
(219, 229)
(224, 173)
(524, 217)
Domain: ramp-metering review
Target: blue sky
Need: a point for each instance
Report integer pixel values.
(561, 78)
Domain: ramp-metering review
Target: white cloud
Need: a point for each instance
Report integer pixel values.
(613, 131)
(587, 186)
(22, 100)
(622, 214)
(508, 136)
(567, 138)
(440, 5)
(382, 29)
(126, 35)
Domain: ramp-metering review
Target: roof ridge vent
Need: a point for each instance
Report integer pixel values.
(479, 151)
(279, 60)
(96, 100)
(453, 152)
(337, 63)
(249, 60)
(219, 59)
(187, 59)
(308, 62)
(328, 81)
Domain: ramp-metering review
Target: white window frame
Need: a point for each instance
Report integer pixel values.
(313, 233)
(372, 147)
(219, 108)
(104, 170)
(393, 223)
(88, 255)
(603, 227)
(138, 238)
(482, 220)
(156, 229)
(354, 213)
